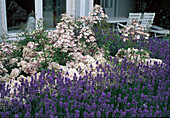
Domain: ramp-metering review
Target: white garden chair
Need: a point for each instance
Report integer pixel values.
(147, 23)
(147, 20)
(132, 16)
(159, 31)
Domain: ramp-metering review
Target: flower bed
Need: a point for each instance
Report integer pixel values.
(80, 71)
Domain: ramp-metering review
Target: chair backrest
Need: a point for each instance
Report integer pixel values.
(148, 20)
(133, 16)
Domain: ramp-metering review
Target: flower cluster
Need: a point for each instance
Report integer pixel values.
(95, 16)
(135, 55)
(79, 66)
(63, 37)
(132, 54)
(134, 31)
(7, 49)
(6, 60)
(98, 13)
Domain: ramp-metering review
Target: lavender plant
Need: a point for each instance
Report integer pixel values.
(49, 95)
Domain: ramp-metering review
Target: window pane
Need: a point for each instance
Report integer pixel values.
(18, 12)
(52, 10)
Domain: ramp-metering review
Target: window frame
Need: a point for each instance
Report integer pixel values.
(38, 12)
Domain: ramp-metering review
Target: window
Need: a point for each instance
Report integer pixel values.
(52, 10)
(17, 12)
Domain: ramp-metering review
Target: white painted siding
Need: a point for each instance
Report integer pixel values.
(90, 5)
(85, 7)
(3, 14)
(38, 11)
(71, 7)
(82, 8)
(0, 27)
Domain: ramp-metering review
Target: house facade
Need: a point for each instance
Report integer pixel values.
(14, 14)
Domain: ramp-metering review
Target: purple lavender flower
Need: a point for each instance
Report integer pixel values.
(27, 115)
(77, 114)
(85, 114)
(94, 106)
(98, 114)
(36, 115)
(16, 116)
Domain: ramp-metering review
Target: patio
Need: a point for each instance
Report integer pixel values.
(145, 22)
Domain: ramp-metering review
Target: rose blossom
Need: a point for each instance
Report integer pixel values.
(15, 72)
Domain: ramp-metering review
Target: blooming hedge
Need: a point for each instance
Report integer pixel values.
(79, 70)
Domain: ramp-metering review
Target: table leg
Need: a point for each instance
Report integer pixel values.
(113, 26)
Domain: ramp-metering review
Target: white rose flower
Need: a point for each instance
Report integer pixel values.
(71, 73)
(85, 33)
(138, 37)
(146, 37)
(1, 65)
(13, 60)
(53, 65)
(15, 72)
(81, 65)
(30, 44)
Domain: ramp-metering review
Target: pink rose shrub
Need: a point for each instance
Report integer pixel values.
(71, 47)
(134, 31)
(95, 16)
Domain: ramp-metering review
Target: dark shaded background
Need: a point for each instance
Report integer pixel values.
(161, 8)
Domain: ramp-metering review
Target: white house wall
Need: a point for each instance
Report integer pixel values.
(71, 7)
(38, 11)
(0, 27)
(87, 8)
(3, 15)
(83, 7)
(91, 5)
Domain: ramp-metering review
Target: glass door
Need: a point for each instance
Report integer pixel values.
(52, 10)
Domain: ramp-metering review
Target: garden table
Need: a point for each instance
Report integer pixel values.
(115, 20)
